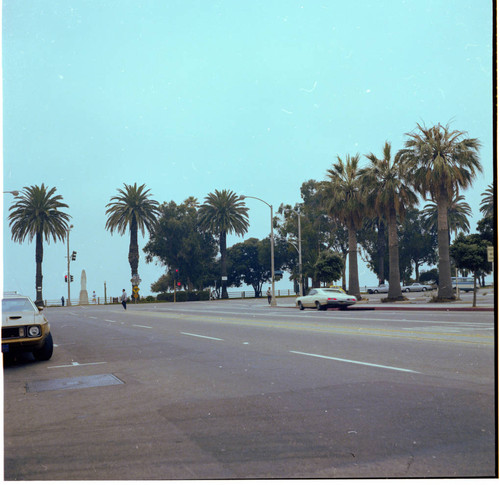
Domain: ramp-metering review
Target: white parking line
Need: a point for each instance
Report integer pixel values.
(142, 326)
(201, 336)
(75, 364)
(356, 362)
(111, 321)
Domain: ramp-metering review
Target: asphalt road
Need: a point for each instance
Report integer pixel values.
(236, 389)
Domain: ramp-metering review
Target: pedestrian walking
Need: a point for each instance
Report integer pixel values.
(269, 295)
(62, 300)
(124, 299)
(94, 298)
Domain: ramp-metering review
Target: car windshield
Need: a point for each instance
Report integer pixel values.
(17, 305)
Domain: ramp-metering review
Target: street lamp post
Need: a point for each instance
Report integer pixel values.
(273, 296)
(69, 275)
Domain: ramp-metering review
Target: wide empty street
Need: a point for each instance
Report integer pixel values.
(237, 389)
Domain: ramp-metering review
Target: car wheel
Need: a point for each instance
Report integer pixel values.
(301, 307)
(375, 291)
(318, 306)
(424, 289)
(407, 290)
(45, 353)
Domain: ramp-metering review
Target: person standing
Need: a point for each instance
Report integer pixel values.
(269, 295)
(124, 299)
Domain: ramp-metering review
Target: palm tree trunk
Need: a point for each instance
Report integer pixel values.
(353, 262)
(223, 265)
(394, 284)
(381, 251)
(39, 276)
(133, 253)
(445, 290)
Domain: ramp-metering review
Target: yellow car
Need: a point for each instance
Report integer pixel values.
(337, 288)
(25, 328)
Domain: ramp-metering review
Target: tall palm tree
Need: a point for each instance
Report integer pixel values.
(36, 213)
(344, 201)
(458, 213)
(222, 213)
(442, 162)
(389, 193)
(132, 209)
(487, 202)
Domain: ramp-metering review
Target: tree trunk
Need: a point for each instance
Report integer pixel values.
(133, 253)
(475, 291)
(381, 251)
(445, 290)
(223, 265)
(353, 262)
(394, 284)
(39, 275)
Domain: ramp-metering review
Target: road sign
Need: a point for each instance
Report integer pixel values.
(491, 254)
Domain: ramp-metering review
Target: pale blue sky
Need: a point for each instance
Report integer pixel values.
(192, 96)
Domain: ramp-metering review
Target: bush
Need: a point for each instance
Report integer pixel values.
(182, 296)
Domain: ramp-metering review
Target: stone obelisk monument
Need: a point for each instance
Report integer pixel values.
(84, 296)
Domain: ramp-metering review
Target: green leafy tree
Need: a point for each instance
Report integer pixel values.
(223, 212)
(345, 201)
(430, 276)
(441, 162)
(372, 237)
(248, 263)
(133, 210)
(417, 244)
(389, 194)
(470, 253)
(178, 243)
(329, 267)
(36, 213)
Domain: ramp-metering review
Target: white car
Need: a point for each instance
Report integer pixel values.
(416, 287)
(25, 328)
(323, 298)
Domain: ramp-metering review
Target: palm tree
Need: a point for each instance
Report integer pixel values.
(389, 193)
(458, 213)
(222, 213)
(487, 202)
(344, 201)
(441, 162)
(132, 209)
(36, 213)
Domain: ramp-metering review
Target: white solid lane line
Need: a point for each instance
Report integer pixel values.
(355, 362)
(142, 326)
(201, 336)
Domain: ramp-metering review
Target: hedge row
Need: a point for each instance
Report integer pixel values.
(184, 296)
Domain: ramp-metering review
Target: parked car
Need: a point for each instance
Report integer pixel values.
(323, 298)
(25, 328)
(379, 289)
(416, 287)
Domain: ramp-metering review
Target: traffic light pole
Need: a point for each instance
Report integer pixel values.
(68, 303)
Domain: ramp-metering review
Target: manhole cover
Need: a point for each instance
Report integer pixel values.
(73, 383)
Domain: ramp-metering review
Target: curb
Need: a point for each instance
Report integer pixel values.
(415, 309)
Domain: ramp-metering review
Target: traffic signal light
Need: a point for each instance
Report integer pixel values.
(65, 278)
(178, 283)
(71, 278)
(73, 256)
